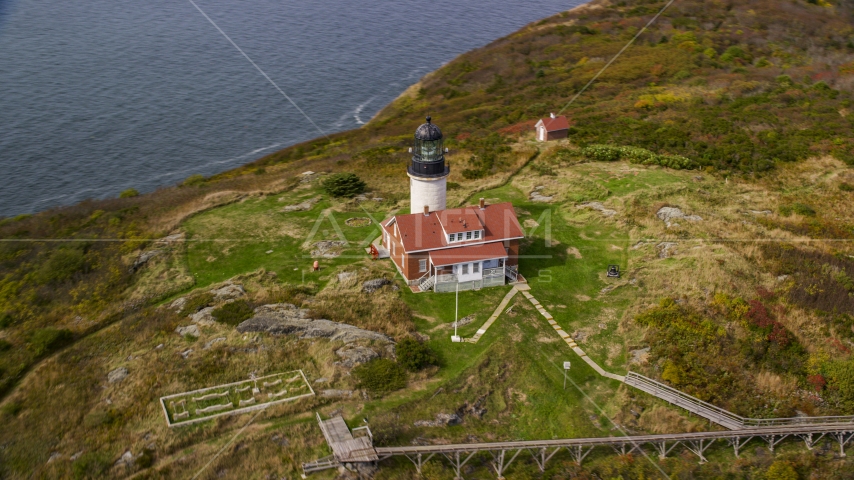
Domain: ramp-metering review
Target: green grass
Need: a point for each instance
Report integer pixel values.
(235, 239)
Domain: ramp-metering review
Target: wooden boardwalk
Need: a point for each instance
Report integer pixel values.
(345, 447)
(541, 451)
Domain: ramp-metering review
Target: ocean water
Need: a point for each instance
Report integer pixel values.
(98, 96)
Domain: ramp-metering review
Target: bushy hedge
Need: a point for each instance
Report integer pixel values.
(380, 375)
(414, 355)
(343, 185)
(642, 156)
(232, 313)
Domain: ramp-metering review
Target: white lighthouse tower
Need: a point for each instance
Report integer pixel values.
(428, 174)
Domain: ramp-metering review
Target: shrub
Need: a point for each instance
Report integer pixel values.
(46, 340)
(454, 186)
(781, 470)
(343, 185)
(62, 264)
(196, 303)
(232, 313)
(380, 375)
(610, 153)
(803, 209)
(846, 187)
(130, 192)
(414, 355)
(4, 345)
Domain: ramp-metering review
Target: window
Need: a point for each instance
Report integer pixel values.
(468, 235)
(422, 265)
(475, 268)
(477, 234)
(459, 236)
(465, 269)
(450, 238)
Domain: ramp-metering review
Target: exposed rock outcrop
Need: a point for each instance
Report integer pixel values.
(228, 292)
(599, 207)
(302, 207)
(375, 284)
(143, 258)
(117, 375)
(352, 356)
(442, 420)
(537, 196)
(328, 248)
(287, 319)
(190, 330)
(669, 215)
(203, 316)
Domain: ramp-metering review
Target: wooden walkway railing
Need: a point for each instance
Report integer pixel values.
(503, 453)
(718, 415)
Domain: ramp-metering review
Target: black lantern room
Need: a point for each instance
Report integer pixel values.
(428, 154)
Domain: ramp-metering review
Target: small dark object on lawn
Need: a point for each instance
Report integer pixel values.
(613, 271)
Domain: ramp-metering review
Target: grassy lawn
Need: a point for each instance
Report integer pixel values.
(257, 233)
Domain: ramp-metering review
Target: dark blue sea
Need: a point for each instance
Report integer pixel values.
(98, 96)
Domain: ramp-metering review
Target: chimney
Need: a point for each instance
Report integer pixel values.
(426, 210)
(482, 203)
(552, 115)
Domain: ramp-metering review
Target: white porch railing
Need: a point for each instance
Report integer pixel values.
(493, 272)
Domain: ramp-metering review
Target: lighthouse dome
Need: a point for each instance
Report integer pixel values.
(428, 132)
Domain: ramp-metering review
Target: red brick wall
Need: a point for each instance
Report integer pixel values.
(513, 251)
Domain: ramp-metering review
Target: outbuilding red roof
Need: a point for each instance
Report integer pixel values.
(451, 256)
(554, 124)
(420, 232)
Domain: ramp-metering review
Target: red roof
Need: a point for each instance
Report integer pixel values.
(459, 220)
(554, 124)
(450, 256)
(421, 232)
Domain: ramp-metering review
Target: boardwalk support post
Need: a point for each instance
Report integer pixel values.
(457, 464)
(737, 443)
(773, 440)
(698, 447)
(541, 458)
(578, 453)
(809, 441)
(499, 463)
(419, 462)
(663, 450)
(840, 437)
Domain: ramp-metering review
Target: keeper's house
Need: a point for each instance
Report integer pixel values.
(441, 249)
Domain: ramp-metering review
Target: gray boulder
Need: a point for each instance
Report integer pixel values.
(352, 356)
(143, 258)
(228, 292)
(203, 317)
(191, 330)
(670, 214)
(287, 319)
(117, 375)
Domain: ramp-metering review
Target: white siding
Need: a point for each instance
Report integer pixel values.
(458, 269)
